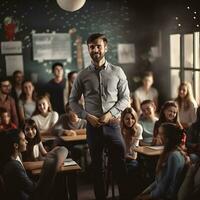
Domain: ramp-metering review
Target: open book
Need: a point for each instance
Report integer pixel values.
(69, 161)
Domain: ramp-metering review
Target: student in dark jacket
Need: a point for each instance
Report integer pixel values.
(17, 183)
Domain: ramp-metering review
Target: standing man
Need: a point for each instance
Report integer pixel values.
(106, 94)
(55, 88)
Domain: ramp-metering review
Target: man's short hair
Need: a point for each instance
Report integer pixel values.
(148, 101)
(56, 64)
(147, 74)
(3, 79)
(95, 36)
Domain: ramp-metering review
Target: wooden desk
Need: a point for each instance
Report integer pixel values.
(148, 150)
(65, 184)
(74, 138)
(65, 138)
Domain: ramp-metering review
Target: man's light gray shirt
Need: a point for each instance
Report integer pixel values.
(103, 90)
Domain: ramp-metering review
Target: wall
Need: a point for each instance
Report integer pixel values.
(123, 21)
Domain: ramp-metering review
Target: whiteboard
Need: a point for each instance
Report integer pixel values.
(51, 46)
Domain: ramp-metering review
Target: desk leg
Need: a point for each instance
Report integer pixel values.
(72, 185)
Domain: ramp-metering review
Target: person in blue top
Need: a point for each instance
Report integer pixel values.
(106, 94)
(170, 166)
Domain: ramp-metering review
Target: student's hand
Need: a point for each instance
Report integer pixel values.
(93, 120)
(104, 119)
(70, 133)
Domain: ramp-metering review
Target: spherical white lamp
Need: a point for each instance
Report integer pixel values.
(71, 5)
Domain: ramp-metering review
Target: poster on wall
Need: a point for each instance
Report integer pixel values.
(126, 53)
(11, 47)
(51, 46)
(14, 63)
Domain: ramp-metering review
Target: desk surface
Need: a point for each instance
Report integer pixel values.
(148, 151)
(35, 167)
(65, 138)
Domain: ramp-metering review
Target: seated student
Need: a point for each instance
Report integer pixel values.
(170, 167)
(17, 183)
(193, 138)
(169, 113)
(131, 131)
(146, 91)
(27, 101)
(35, 149)
(69, 124)
(147, 121)
(5, 120)
(44, 117)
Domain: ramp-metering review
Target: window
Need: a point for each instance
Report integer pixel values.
(184, 62)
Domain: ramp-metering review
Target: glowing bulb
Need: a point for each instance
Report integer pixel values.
(176, 18)
(179, 25)
(188, 7)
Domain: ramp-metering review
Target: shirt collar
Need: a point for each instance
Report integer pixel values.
(106, 64)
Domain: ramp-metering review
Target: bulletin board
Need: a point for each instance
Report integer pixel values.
(51, 46)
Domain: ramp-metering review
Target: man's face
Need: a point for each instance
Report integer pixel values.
(97, 50)
(19, 78)
(148, 81)
(58, 71)
(22, 142)
(5, 87)
(148, 110)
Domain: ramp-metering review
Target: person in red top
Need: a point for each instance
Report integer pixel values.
(6, 101)
(5, 120)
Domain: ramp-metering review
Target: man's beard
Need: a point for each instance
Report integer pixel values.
(96, 57)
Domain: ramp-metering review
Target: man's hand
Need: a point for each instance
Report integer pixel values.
(104, 119)
(93, 120)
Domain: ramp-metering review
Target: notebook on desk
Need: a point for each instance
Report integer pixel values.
(69, 162)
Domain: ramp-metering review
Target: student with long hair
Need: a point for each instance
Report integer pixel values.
(131, 131)
(27, 101)
(187, 104)
(17, 183)
(44, 116)
(169, 113)
(35, 149)
(170, 166)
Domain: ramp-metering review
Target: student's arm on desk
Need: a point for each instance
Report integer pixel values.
(69, 133)
(74, 132)
(81, 131)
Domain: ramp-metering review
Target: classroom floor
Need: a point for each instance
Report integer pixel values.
(85, 188)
